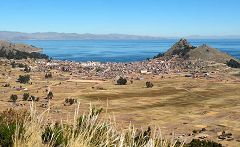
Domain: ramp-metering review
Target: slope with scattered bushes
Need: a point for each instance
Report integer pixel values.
(29, 128)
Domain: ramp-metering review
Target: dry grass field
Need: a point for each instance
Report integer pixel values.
(176, 104)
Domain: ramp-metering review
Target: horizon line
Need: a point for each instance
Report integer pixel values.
(230, 36)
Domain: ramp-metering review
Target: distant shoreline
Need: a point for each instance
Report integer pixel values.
(14, 35)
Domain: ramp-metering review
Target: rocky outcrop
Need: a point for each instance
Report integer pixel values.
(181, 48)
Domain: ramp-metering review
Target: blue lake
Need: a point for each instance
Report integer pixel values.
(121, 50)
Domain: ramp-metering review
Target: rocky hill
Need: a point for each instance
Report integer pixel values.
(8, 46)
(19, 51)
(185, 50)
(181, 48)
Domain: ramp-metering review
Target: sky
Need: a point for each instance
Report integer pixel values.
(169, 18)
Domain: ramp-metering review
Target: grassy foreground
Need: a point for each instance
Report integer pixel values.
(28, 128)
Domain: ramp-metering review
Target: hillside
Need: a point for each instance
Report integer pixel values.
(205, 52)
(8, 46)
(19, 51)
(185, 50)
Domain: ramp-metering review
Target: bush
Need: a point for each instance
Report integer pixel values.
(158, 55)
(20, 65)
(14, 98)
(6, 134)
(6, 85)
(9, 120)
(33, 98)
(194, 131)
(13, 64)
(16, 54)
(48, 75)
(122, 81)
(50, 95)
(25, 96)
(149, 84)
(53, 135)
(70, 101)
(203, 143)
(233, 63)
(24, 79)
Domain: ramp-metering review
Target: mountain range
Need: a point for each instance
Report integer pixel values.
(7, 35)
(10, 35)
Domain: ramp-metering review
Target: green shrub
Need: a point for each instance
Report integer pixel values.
(13, 98)
(122, 81)
(194, 131)
(9, 120)
(50, 95)
(24, 79)
(48, 75)
(53, 135)
(25, 96)
(203, 143)
(149, 84)
(7, 132)
(16, 54)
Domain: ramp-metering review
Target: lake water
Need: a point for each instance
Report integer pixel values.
(121, 50)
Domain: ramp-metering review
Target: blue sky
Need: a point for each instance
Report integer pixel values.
(140, 17)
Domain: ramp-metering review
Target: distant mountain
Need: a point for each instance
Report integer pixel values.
(7, 35)
(185, 50)
(213, 37)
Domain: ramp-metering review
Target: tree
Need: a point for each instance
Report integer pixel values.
(25, 96)
(24, 79)
(149, 84)
(122, 81)
(50, 95)
(14, 98)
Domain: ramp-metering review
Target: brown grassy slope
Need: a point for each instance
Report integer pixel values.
(8, 46)
(205, 52)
